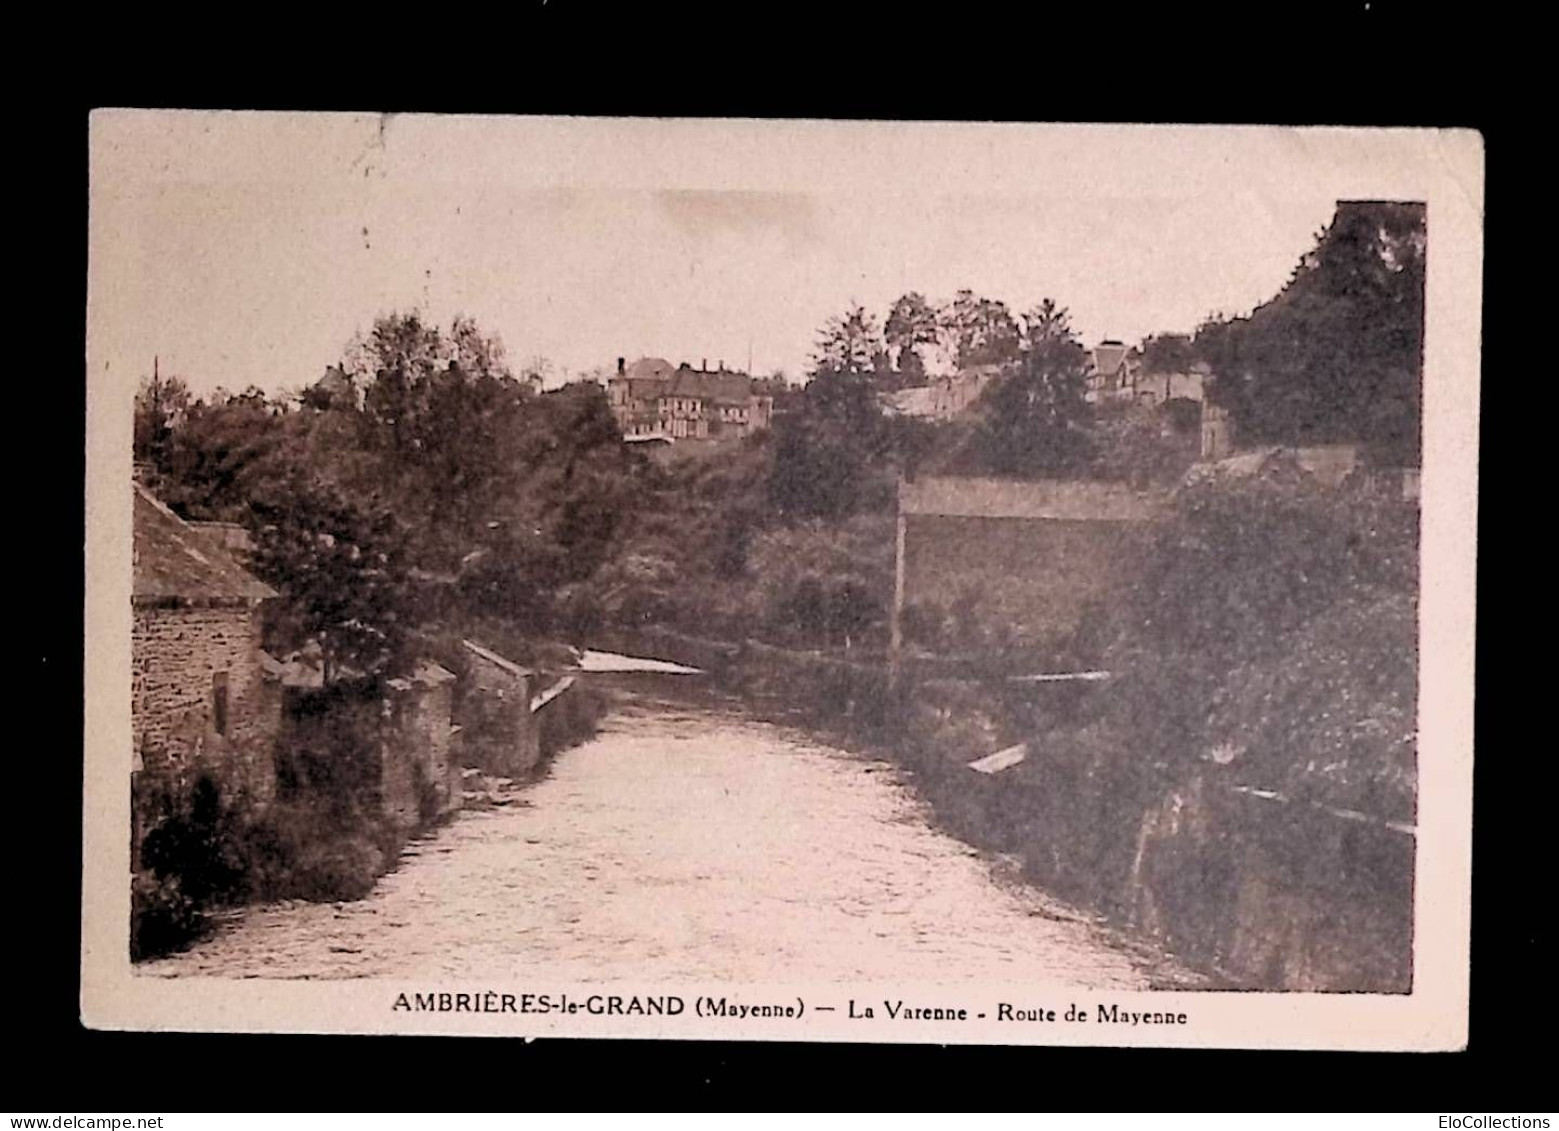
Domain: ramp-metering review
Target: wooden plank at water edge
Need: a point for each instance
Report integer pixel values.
(1001, 760)
(1061, 677)
(547, 696)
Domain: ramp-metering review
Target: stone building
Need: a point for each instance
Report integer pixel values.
(386, 749)
(1113, 369)
(634, 394)
(944, 397)
(498, 731)
(650, 399)
(200, 703)
(419, 775)
(1118, 373)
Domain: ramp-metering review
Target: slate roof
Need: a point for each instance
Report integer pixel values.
(722, 387)
(176, 564)
(1108, 356)
(650, 368)
(916, 401)
(492, 657)
(429, 673)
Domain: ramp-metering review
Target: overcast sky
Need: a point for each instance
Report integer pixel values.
(248, 249)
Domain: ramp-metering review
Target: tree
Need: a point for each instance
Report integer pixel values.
(1167, 353)
(160, 405)
(395, 364)
(980, 331)
(824, 446)
(1033, 420)
(1045, 325)
(538, 369)
(911, 323)
(223, 451)
(337, 563)
(849, 343)
(475, 351)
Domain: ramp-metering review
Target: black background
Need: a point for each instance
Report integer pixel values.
(1354, 64)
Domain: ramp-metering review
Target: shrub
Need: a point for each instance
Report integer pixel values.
(163, 917)
(291, 853)
(336, 869)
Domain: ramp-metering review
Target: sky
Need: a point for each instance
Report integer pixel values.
(248, 249)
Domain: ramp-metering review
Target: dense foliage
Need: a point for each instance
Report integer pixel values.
(1338, 354)
(420, 481)
(417, 486)
(1272, 629)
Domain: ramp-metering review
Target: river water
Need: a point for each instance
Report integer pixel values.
(687, 841)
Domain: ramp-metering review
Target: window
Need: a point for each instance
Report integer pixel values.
(219, 701)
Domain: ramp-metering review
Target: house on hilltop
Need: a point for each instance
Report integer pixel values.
(953, 394)
(945, 397)
(1113, 369)
(652, 400)
(634, 395)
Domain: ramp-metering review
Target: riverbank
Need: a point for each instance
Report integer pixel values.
(688, 842)
(329, 842)
(1256, 889)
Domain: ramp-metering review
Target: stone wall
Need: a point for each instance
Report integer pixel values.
(499, 735)
(1036, 576)
(419, 779)
(1275, 895)
(178, 656)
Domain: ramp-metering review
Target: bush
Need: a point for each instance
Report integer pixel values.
(1275, 623)
(163, 917)
(336, 869)
(291, 853)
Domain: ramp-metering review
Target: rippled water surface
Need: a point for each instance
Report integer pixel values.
(684, 843)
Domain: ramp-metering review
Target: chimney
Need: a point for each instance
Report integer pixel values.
(622, 364)
(722, 365)
(703, 365)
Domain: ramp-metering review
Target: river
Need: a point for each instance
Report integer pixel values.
(687, 841)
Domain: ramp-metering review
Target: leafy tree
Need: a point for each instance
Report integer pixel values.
(337, 564)
(850, 343)
(980, 331)
(160, 405)
(911, 324)
(395, 363)
(445, 472)
(825, 445)
(1033, 421)
(1168, 353)
(1140, 445)
(1045, 325)
(1338, 354)
(224, 451)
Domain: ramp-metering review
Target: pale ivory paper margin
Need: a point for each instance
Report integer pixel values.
(133, 152)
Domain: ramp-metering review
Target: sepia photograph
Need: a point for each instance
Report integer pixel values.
(851, 581)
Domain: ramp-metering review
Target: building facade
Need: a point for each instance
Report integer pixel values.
(652, 400)
(201, 703)
(1119, 374)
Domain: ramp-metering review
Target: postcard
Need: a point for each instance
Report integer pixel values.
(790, 580)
